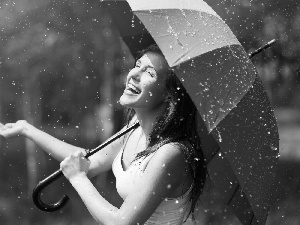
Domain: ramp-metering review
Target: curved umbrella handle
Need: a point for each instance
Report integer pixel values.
(41, 186)
(53, 177)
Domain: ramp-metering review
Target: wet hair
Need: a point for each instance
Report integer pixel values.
(177, 125)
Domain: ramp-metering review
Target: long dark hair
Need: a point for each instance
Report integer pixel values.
(177, 125)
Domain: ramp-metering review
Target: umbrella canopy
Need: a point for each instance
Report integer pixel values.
(236, 122)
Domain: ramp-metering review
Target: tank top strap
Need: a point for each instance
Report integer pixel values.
(120, 154)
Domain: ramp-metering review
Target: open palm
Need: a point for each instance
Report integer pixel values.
(11, 130)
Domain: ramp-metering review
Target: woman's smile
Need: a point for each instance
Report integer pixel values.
(132, 89)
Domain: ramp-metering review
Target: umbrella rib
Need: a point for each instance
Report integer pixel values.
(181, 57)
(229, 92)
(236, 189)
(252, 218)
(208, 161)
(191, 49)
(217, 116)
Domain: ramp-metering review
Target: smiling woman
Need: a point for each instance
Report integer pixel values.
(145, 85)
(159, 166)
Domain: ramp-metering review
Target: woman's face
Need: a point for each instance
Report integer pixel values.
(146, 83)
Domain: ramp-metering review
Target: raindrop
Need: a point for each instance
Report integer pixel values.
(132, 21)
(274, 148)
(150, 93)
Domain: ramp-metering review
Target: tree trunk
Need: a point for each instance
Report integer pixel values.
(30, 100)
(106, 181)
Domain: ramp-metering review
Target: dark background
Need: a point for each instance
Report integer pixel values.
(62, 68)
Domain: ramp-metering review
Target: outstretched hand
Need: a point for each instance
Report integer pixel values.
(11, 130)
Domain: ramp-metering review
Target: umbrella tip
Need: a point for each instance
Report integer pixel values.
(269, 44)
(272, 42)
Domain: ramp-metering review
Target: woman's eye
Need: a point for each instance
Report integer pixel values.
(150, 73)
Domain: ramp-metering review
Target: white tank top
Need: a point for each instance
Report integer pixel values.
(171, 211)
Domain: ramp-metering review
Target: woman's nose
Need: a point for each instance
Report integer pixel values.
(136, 74)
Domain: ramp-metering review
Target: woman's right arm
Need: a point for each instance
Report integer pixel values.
(59, 150)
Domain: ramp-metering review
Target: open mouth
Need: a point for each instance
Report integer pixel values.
(133, 89)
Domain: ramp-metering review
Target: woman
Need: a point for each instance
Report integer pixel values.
(159, 166)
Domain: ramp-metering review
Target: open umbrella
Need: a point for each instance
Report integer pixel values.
(236, 121)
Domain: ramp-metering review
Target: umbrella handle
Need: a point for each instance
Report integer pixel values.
(37, 191)
(269, 44)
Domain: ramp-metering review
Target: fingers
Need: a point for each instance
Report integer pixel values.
(77, 155)
(4, 128)
(8, 125)
(10, 130)
(75, 163)
(1, 127)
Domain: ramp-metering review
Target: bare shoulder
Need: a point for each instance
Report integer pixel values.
(170, 153)
(169, 159)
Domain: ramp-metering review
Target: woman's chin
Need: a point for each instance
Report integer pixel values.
(125, 100)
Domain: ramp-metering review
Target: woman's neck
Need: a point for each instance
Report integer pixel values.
(147, 122)
(148, 119)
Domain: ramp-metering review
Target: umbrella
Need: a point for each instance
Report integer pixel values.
(236, 121)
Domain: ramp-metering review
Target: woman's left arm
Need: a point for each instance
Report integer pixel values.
(164, 173)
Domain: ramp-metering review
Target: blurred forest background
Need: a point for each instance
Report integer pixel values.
(62, 68)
